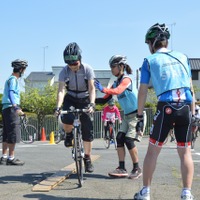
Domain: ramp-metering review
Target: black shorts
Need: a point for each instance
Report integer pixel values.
(11, 126)
(169, 116)
(86, 123)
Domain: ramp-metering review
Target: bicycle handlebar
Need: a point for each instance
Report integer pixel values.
(78, 111)
(74, 111)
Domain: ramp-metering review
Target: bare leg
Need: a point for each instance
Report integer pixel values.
(4, 148)
(11, 148)
(187, 166)
(149, 164)
(121, 153)
(134, 155)
(87, 147)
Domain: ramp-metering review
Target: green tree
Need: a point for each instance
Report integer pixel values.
(40, 102)
(151, 100)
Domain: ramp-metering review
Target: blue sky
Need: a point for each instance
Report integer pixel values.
(102, 28)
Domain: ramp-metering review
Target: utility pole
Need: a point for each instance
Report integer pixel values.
(44, 57)
(171, 32)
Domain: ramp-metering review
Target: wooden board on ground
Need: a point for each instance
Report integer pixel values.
(52, 181)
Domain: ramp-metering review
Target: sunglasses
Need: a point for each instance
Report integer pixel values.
(72, 63)
(113, 66)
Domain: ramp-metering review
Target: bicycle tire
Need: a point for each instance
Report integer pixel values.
(114, 138)
(78, 156)
(1, 133)
(106, 141)
(28, 134)
(58, 136)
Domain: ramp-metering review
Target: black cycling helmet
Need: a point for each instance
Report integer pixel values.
(117, 60)
(158, 32)
(111, 102)
(18, 64)
(72, 53)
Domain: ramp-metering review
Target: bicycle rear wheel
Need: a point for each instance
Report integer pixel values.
(28, 134)
(78, 157)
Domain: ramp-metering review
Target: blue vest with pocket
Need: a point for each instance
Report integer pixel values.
(169, 71)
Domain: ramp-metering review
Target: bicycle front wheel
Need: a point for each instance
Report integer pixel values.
(106, 141)
(28, 134)
(78, 157)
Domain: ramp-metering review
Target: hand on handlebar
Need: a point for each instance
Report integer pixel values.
(91, 108)
(57, 112)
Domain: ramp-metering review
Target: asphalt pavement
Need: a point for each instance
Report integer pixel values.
(43, 159)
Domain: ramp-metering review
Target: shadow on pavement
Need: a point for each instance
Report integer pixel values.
(50, 197)
(25, 178)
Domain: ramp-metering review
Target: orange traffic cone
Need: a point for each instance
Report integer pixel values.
(43, 135)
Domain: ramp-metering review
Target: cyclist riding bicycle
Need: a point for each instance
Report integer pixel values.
(110, 113)
(10, 114)
(77, 79)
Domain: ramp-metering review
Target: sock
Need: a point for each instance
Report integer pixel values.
(121, 164)
(145, 190)
(186, 191)
(69, 134)
(135, 165)
(11, 157)
(4, 156)
(87, 156)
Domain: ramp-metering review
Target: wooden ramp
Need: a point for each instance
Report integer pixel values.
(52, 181)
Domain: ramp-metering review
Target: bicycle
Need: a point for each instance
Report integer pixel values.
(195, 131)
(171, 136)
(77, 148)
(111, 138)
(59, 133)
(28, 131)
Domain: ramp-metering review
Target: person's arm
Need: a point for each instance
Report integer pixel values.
(91, 89)
(118, 114)
(104, 114)
(119, 89)
(61, 94)
(142, 95)
(193, 102)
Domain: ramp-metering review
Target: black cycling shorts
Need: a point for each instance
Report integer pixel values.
(169, 116)
(11, 126)
(86, 123)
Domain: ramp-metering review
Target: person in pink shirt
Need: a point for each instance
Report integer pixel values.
(109, 115)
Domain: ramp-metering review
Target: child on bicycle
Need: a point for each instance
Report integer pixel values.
(110, 113)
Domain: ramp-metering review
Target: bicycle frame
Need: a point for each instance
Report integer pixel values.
(112, 135)
(77, 149)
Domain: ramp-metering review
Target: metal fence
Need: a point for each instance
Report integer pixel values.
(51, 124)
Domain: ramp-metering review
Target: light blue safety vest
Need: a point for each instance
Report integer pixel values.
(128, 98)
(11, 84)
(169, 71)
